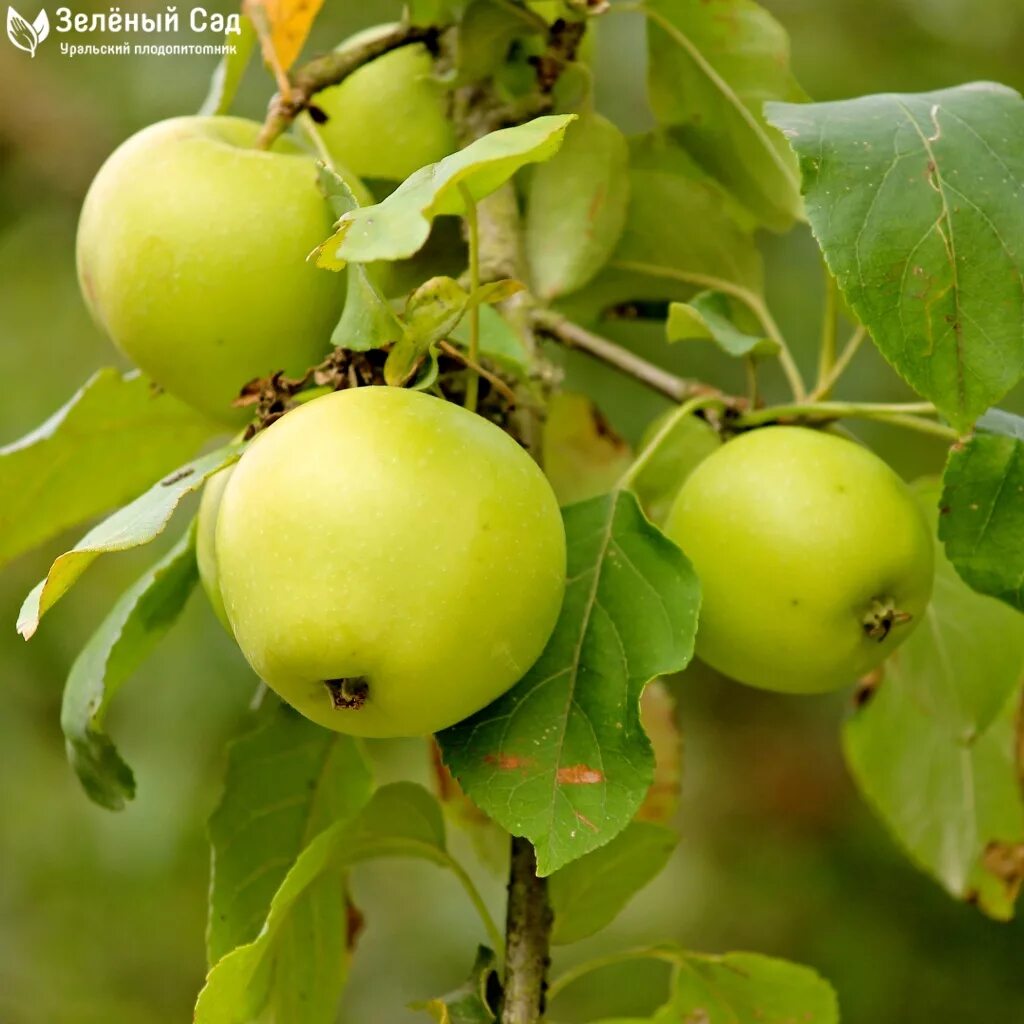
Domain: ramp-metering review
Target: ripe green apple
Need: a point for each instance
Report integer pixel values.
(206, 551)
(192, 253)
(390, 563)
(389, 117)
(814, 559)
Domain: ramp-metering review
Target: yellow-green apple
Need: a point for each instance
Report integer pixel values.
(389, 562)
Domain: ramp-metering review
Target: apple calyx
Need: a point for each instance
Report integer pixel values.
(348, 694)
(882, 616)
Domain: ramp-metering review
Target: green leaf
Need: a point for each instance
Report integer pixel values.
(662, 254)
(130, 527)
(588, 894)
(287, 780)
(933, 748)
(916, 203)
(747, 988)
(338, 193)
(398, 227)
(576, 209)
(129, 633)
(476, 1001)
(712, 66)
(109, 442)
(367, 321)
(688, 444)
(982, 524)
(433, 311)
(708, 316)
(230, 70)
(739, 988)
(581, 454)
(400, 820)
(562, 758)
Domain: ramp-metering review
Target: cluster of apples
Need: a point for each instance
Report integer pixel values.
(388, 562)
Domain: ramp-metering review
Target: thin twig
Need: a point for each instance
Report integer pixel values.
(827, 348)
(918, 416)
(560, 329)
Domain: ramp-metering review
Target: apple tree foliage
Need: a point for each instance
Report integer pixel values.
(917, 204)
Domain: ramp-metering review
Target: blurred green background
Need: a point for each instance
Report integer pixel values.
(102, 915)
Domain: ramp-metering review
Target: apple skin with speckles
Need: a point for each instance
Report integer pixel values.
(192, 249)
(389, 562)
(815, 560)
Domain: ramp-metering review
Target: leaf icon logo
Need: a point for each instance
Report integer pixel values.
(25, 35)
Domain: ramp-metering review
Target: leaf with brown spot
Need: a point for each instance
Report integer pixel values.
(630, 614)
(579, 775)
(915, 200)
(1006, 862)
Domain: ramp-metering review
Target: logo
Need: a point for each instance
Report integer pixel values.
(27, 35)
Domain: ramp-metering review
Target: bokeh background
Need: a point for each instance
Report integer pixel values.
(102, 915)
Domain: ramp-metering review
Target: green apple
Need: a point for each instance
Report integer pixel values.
(192, 253)
(389, 117)
(390, 563)
(815, 561)
(206, 551)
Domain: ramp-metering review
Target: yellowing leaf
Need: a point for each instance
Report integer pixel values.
(287, 24)
(582, 455)
(658, 717)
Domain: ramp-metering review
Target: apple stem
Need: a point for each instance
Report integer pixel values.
(829, 325)
(527, 938)
(828, 381)
(571, 335)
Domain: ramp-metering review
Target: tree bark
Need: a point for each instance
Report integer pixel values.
(527, 938)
